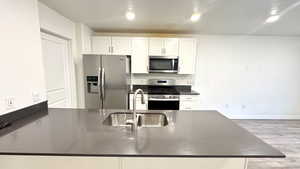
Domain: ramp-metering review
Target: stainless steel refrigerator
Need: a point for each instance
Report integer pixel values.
(107, 80)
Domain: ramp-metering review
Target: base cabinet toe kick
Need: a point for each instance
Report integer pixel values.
(74, 162)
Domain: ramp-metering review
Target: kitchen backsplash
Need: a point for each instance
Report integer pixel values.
(141, 79)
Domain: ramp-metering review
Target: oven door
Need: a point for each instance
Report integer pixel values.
(161, 64)
(163, 104)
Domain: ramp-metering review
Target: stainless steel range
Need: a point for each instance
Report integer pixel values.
(163, 94)
(163, 102)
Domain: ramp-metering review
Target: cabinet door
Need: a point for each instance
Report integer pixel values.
(101, 44)
(121, 46)
(187, 56)
(189, 102)
(139, 57)
(171, 47)
(156, 46)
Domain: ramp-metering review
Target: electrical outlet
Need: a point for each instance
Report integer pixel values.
(36, 97)
(10, 103)
(226, 106)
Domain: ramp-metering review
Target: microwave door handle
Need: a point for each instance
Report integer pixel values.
(173, 64)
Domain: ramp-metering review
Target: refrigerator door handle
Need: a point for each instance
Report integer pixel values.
(100, 82)
(103, 83)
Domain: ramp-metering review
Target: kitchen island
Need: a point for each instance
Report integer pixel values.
(80, 138)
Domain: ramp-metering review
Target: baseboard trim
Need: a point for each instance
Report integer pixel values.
(11, 117)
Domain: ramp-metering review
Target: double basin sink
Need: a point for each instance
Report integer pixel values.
(120, 119)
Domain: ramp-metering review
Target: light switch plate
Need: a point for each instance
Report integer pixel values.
(36, 97)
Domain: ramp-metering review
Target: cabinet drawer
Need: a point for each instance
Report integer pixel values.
(189, 97)
(191, 103)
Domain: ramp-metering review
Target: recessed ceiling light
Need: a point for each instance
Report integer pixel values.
(130, 15)
(195, 17)
(273, 18)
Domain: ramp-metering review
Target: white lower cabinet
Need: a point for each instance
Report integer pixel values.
(190, 102)
(59, 162)
(183, 163)
(139, 105)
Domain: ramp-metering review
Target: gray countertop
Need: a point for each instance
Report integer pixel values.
(80, 132)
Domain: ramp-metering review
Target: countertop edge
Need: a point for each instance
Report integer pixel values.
(146, 156)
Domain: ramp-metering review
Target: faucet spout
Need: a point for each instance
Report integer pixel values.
(134, 125)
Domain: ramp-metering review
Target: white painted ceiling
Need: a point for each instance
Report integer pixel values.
(172, 16)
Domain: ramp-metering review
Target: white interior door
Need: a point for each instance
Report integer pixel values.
(55, 56)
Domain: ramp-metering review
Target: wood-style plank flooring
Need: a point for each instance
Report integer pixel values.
(281, 134)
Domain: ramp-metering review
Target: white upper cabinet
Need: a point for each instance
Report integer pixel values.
(187, 55)
(139, 57)
(101, 45)
(140, 48)
(171, 47)
(156, 46)
(163, 47)
(121, 45)
(107, 45)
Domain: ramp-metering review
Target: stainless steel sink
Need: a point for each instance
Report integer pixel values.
(119, 119)
(152, 120)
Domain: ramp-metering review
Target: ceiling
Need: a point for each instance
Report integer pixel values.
(172, 16)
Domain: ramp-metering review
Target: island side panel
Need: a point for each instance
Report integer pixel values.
(183, 163)
(58, 162)
(72, 162)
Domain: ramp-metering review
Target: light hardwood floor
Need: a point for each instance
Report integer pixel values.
(281, 134)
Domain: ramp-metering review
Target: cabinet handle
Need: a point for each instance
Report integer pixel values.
(112, 49)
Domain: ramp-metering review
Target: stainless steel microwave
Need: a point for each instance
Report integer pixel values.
(163, 64)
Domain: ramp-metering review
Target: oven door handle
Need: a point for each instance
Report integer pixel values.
(154, 99)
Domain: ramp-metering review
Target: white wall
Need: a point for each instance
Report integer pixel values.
(84, 43)
(21, 66)
(55, 23)
(250, 77)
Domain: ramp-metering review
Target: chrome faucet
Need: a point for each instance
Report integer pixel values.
(134, 120)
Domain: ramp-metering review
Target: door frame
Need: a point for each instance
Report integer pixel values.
(69, 67)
